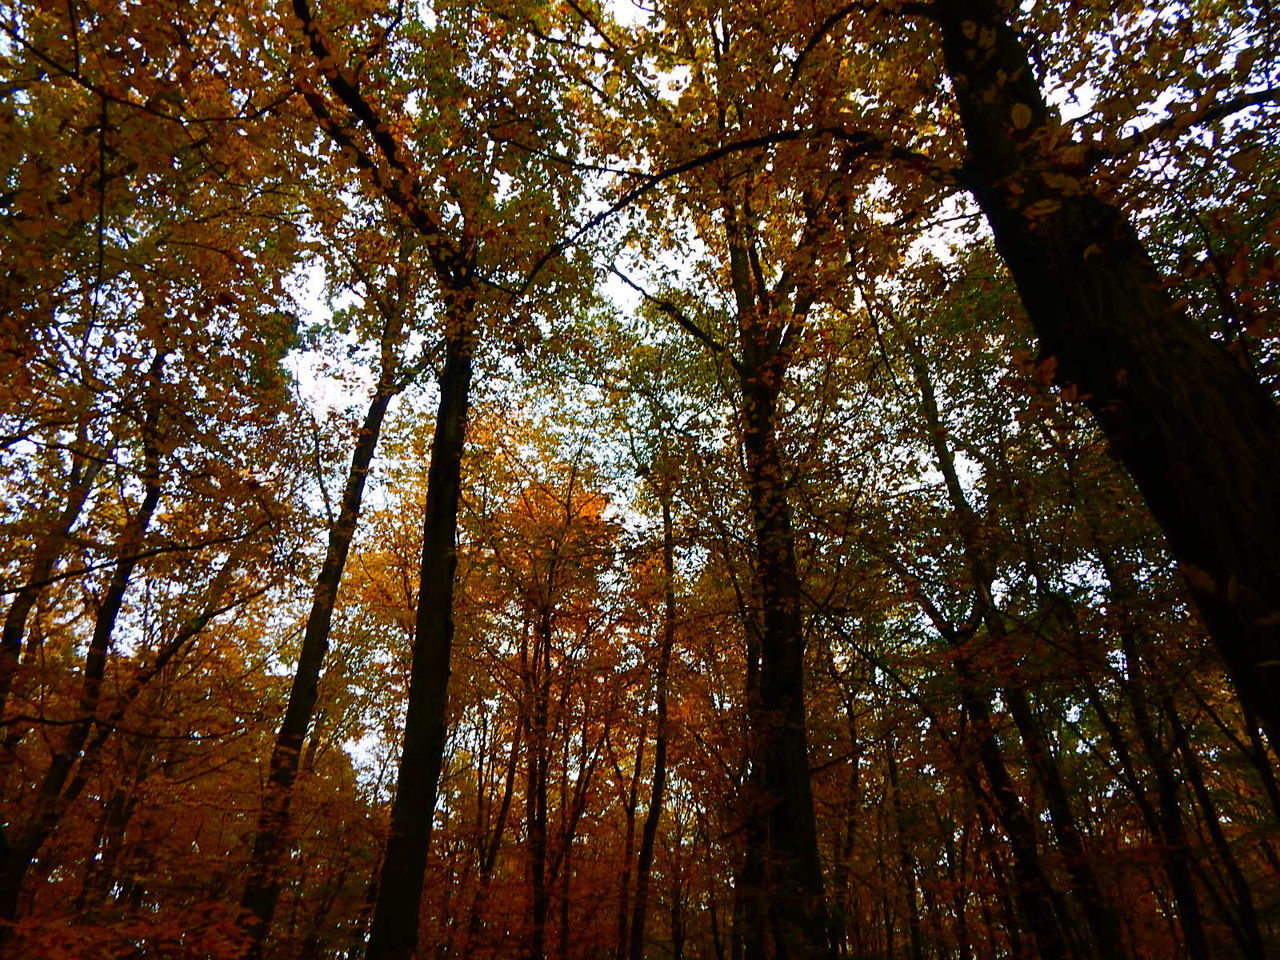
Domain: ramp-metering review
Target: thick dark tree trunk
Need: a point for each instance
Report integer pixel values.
(1199, 436)
(393, 931)
(262, 890)
(791, 875)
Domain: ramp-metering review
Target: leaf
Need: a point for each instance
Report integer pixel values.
(1021, 114)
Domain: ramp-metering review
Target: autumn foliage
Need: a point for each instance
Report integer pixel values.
(580, 481)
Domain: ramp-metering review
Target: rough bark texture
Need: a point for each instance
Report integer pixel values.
(1199, 436)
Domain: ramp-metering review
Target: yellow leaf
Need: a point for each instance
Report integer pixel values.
(1021, 114)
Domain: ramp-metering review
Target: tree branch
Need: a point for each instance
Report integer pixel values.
(1179, 123)
(681, 318)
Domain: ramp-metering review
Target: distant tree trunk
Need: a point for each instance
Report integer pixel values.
(623, 941)
(846, 918)
(491, 844)
(958, 880)
(1037, 894)
(393, 933)
(262, 889)
(1172, 829)
(538, 691)
(649, 833)
(906, 861)
(1246, 926)
(18, 850)
(1199, 436)
(1164, 821)
(84, 470)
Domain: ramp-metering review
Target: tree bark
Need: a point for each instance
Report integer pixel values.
(1199, 435)
(782, 880)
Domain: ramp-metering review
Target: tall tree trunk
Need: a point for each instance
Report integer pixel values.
(791, 881)
(1172, 829)
(393, 933)
(262, 889)
(538, 690)
(649, 833)
(1036, 896)
(623, 941)
(492, 844)
(783, 876)
(1200, 437)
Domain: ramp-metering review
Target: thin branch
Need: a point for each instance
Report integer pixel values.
(681, 318)
(73, 74)
(868, 6)
(141, 555)
(398, 181)
(1178, 124)
(862, 144)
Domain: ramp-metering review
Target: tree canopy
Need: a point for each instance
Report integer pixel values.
(607, 481)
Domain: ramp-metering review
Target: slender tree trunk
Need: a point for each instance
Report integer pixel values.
(492, 844)
(393, 931)
(1103, 925)
(1247, 929)
(18, 852)
(538, 690)
(906, 861)
(84, 470)
(1172, 829)
(846, 919)
(649, 833)
(628, 850)
(1200, 437)
(1036, 895)
(262, 889)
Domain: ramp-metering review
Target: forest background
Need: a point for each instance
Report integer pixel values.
(568, 480)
